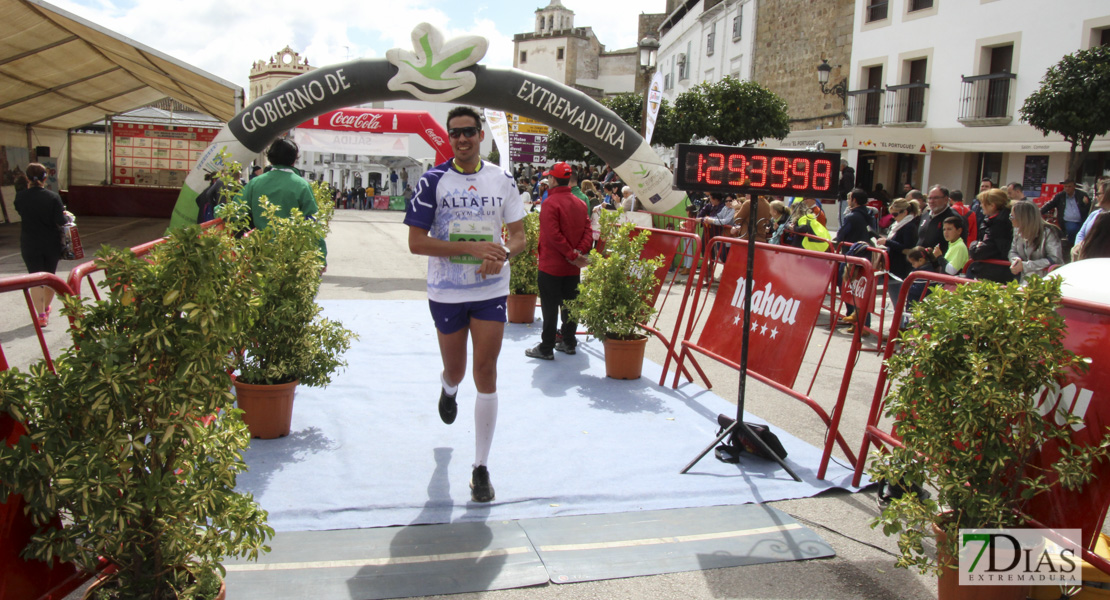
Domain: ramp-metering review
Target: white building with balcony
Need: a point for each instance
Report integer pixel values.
(699, 44)
(935, 89)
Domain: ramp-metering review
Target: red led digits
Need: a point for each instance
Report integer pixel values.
(736, 172)
(780, 167)
(760, 172)
(822, 175)
(802, 172)
(720, 166)
(756, 170)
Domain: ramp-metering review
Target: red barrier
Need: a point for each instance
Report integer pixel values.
(1086, 396)
(852, 293)
(785, 307)
(28, 579)
(667, 244)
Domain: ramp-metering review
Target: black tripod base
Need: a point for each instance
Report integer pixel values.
(750, 435)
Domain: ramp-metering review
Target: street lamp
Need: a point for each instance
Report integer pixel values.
(840, 89)
(649, 48)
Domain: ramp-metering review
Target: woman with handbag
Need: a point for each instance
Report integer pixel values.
(40, 239)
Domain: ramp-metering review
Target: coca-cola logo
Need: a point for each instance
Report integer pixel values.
(365, 121)
(432, 136)
(858, 287)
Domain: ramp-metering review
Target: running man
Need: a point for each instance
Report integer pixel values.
(455, 218)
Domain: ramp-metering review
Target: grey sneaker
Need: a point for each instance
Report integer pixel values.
(562, 346)
(538, 351)
(448, 408)
(481, 490)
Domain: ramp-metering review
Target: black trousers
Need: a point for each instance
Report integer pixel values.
(554, 290)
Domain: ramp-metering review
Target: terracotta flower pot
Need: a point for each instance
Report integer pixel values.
(100, 581)
(267, 409)
(522, 308)
(624, 359)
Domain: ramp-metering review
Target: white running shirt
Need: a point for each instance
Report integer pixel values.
(453, 205)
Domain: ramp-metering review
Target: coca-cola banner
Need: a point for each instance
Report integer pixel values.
(437, 70)
(786, 300)
(384, 120)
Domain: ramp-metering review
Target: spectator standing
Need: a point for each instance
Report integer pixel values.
(930, 233)
(898, 242)
(997, 238)
(1037, 245)
(1071, 206)
(952, 260)
(844, 188)
(42, 217)
(1102, 208)
(283, 186)
(565, 240)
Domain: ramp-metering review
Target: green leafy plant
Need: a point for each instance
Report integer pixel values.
(612, 297)
(968, 381)
(1068, 102)
(524, 267)
(289, 340)
(116, 445)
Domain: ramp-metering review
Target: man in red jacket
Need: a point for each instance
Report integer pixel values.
(565, 240)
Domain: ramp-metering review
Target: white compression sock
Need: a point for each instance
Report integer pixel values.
(485, 421)
(450, 389)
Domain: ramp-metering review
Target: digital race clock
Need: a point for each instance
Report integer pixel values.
(756, 171)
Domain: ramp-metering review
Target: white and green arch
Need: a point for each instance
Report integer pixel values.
(437, 70)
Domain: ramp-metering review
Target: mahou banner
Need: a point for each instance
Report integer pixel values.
(786, 300)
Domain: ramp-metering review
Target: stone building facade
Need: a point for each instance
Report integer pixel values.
(283, 65)
(791, 38)
(575, 57)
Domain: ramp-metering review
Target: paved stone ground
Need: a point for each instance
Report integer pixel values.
(369, 259)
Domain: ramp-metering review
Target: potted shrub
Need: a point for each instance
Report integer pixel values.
(124, 443)
(289, 342)
(524, 274)
(613, 295)
(967, 382)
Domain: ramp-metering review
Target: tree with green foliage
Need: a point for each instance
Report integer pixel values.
(1071, 102)
(731, 112)
(630, 108)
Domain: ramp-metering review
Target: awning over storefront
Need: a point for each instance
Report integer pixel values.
(875, 139)
(1018, 147)
(61, 71)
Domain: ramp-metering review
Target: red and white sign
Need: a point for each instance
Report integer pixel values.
(786, 301)
(381, 120)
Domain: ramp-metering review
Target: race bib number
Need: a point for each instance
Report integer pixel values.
(469, 231)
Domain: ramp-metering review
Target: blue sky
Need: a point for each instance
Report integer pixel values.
(224, 38)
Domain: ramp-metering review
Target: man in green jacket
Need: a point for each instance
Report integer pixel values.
(283, 186)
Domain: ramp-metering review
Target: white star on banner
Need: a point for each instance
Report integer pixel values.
(774, 332)
(763, 329)
(736, 320)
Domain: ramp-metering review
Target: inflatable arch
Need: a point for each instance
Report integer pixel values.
(437, 70)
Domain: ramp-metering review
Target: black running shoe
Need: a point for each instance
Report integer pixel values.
(561, 346)
(448, 408)
(539, 352)
(481, 490)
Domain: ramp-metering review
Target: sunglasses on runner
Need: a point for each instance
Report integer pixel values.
(458, 132)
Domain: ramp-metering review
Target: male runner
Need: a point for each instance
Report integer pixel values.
(455, 218)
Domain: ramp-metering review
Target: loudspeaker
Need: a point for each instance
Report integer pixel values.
(42, 151)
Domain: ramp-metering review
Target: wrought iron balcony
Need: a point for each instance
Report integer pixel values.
(865, 107)
(905, 105)
(986, 100)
